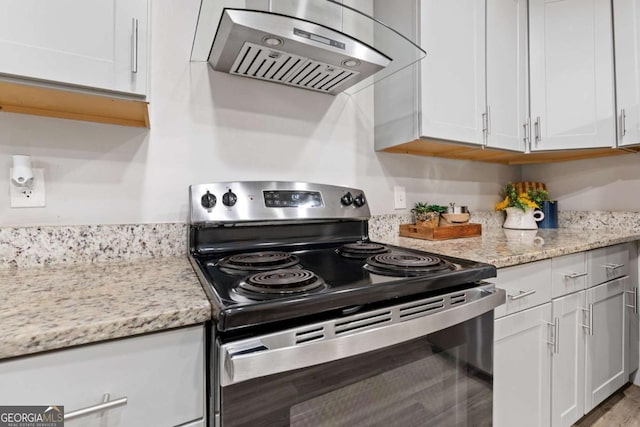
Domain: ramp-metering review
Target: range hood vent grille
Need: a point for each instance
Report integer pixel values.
(273, 65)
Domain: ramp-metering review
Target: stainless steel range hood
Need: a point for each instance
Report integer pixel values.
(319, 45)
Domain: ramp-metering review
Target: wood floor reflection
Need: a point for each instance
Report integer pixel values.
(621, 409)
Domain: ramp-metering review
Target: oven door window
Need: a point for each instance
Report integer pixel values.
(441, 379)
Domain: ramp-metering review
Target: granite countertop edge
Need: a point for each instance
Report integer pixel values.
(59, 307)
(506, 248)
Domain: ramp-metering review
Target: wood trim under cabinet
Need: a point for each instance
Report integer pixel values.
(452, 150)
(42, 101)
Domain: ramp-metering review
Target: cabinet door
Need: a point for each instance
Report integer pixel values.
(571, 71)
(567, 364)
(626, 23)
(631, 320)
(605, 357)
(507, 77)
(633, 351)
(85, 43)
(522, 367)
(162, 375)
(453, 73)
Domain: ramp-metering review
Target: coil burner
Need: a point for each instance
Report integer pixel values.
(257, 261)
(279, 283)
(407, 265)
(361, 250)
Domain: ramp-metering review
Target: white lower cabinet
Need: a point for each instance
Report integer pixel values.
(161, 375)
(605, 358)
(564, 342)
(522, 362)
(567, 364)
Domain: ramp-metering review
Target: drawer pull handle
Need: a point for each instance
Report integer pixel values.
(574, 275)
(613, 266)
(106, 404)
(522, 294)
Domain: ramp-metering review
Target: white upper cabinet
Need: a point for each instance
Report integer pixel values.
(99, 44)
(471, 87)
(571, 72)
(507, 74)
(452, 75)
(626, 22)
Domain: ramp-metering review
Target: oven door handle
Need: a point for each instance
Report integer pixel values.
(257, 360)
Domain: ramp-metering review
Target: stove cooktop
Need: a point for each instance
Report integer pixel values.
(260, 287)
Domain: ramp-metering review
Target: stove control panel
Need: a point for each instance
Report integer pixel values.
(257, 201)
(292, 199)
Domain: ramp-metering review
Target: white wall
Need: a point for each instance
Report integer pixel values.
(609, 183)
(207, 126)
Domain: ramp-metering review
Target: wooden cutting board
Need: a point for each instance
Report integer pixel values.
(441, 233)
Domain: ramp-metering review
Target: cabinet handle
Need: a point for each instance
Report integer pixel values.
(485, 129)
(634, 293)
(555, 342)
(623, 121)
(589, 325)
(536, 126)
(613, 266)
(106, 404)
(134, 46)
(521, 294)
(527, 135)
(574, 275)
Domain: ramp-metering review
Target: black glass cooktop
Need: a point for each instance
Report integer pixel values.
(257, 287)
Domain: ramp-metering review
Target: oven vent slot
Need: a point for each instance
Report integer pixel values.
(361, 323)
(421, 309)
(310, 335)
(460, 298)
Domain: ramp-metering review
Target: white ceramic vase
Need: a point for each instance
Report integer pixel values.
(518, 219)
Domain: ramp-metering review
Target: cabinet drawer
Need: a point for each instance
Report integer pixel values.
(161, 375)
(569, 274)
(607, 264)
(527, 285)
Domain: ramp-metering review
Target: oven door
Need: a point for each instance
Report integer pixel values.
(427, 362)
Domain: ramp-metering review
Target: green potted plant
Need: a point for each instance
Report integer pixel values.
(426, 214)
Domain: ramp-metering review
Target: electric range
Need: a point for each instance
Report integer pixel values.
(299, 291)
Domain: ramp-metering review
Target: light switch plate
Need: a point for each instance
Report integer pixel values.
(400, 197)
(28, 197)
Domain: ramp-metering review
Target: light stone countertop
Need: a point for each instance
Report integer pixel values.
(49, 308)
(504, 248)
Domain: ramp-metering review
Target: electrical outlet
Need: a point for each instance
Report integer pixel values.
(28, 197)
(399, 197)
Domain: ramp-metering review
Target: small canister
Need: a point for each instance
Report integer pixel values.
(550, 210)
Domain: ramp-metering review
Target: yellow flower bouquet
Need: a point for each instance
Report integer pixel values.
(512, 199)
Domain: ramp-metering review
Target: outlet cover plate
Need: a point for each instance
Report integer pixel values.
(400, 197)
(28, 197)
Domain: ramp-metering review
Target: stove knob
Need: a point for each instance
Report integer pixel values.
(359, 200)
(208, 201)
(229, 198)
(347, 199)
